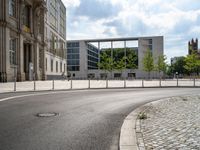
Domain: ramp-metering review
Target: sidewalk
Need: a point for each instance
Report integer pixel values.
(173, 123)
(84, 84)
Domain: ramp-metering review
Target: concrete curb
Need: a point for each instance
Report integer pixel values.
(130, 135)
(131, 127)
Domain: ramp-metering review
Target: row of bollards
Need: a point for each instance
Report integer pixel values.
(106, 84)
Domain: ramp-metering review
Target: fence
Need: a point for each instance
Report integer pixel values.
(94, 84)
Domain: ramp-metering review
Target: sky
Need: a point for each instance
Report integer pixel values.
(177, 20)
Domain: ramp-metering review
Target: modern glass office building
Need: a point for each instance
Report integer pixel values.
(83, 56)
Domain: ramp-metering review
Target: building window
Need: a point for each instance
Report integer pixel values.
(12, 51)
(56, 66)
(53, 13)
(60, 66)
(26, 16)
(52, 65)
(12, 8)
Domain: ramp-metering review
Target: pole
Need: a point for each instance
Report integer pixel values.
(53, 84)
(124, 82)
(142, 82)
(34, 88)
(160, 83)
(106, 83)
(15, 86)
(34, 85)
(15, 79)
(88, 83)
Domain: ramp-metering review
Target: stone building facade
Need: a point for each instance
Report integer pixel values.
(193, 46)
(23, 40)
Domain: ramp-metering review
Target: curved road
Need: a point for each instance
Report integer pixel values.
(87, 120)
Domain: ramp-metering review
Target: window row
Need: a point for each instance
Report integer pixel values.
(92, 48)
(73, 62)
(92, 64)
(73, 44)
(92, 59)
(73, 68)
(92, 53)
(62, 66)
(73, 56)
(73, 50)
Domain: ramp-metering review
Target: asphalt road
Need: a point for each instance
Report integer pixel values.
(87, 120)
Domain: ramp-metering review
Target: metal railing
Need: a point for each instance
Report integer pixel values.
(95, 84)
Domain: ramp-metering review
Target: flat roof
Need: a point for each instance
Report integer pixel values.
(116, 39)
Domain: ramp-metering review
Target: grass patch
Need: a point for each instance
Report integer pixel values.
(142, 116)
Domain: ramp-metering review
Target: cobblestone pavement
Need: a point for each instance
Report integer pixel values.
(171, 124)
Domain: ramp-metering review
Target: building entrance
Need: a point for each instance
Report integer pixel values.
(28, 65)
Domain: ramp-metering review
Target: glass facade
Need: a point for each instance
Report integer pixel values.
(92, 57)
(73, 56)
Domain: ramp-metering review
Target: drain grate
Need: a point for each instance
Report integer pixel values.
(47, 114)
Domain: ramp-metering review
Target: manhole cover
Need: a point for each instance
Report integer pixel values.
(47, 114)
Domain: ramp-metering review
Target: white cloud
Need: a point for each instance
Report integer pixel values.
(71, 3)
(177, 20)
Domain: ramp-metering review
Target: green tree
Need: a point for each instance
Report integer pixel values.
(192, 63)
(131, 62)
(148, 63)
(161, 65)
(178, 66)
(120, 65)
(106, 63)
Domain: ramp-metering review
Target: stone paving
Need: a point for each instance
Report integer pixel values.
(171, 124)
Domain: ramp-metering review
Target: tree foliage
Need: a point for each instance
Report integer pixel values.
(119, 61)
(161, 65)
(106, 63)
(148, 63)
(192, 63)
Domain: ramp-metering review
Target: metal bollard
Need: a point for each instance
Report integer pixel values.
(34, 85)
(125, 83)
(71, 84)
(177, 81)
(106, 83)
(160, 83)
(52, 84)
(15, 85)
(88, 83)
(142, 82)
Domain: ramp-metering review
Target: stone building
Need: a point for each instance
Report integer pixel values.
(192, 46)
(24, 42)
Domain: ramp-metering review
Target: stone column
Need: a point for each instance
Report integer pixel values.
(3, 36)
(20, 45)
(43, 13)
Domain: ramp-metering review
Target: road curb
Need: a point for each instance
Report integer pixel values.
(131, 127)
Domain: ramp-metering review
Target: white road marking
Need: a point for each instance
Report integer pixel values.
(19, 96)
